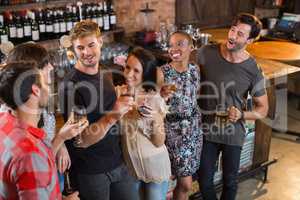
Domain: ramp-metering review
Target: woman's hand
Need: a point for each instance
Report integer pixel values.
(167, 91)
(63, 159)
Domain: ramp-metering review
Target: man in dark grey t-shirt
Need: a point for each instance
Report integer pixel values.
(229, 75)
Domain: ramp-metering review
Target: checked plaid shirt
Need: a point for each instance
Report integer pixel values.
(27, 165)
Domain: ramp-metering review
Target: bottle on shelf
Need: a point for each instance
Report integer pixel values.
(4, 2)
(68, 18)
(75, 16)
(56, 29)
(100, 16)
(27, 27)
(42, 25)
(45, 24)
(20, 29)
(84, 12)
(3, 31)
(12, 29)
(49, 25)
(34, 28)
(106, 25)
(112, 17)
(62, 23)
(94, 14)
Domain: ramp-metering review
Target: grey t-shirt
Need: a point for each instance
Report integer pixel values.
(227, 84)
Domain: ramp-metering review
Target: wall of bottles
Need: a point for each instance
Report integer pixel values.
(15, 2)
(52, 23)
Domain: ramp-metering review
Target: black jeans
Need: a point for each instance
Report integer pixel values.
(230, 167)
(117, 184)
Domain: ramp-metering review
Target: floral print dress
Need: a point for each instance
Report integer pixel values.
(182, 125)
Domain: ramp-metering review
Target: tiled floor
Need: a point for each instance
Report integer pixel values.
(284, 176)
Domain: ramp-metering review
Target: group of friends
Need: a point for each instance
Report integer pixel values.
(159, 125)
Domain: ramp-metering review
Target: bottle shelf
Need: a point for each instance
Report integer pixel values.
(47, 4)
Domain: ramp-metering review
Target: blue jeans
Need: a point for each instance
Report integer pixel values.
(153, 191)
(117, 184)
(230, 166)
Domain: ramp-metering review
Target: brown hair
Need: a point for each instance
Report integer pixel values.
(10, 85)
(252, 21)
(29, 52)
(148, 62)
(84, 28)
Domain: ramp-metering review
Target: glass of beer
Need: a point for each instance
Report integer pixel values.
(172, 87)
(130, 91)
(221, 117)
(79, 117)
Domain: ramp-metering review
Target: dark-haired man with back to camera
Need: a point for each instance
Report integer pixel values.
(27, 164)
(229, 74)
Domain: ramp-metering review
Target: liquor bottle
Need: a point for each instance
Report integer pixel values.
(100, 16)
(27, 28)
(3, 31)
(12, 28)
(34, 28)
(56, 29)
(42, 25)
(106, 26)
(62, 23)
(5, 2)
(69, 19)
(49, 25)
(112, 17)
(94, 14)
(20, 30)
(75, 17)
(84, 12)
(88, 12)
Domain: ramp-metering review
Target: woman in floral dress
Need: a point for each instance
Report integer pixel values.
(182, 124)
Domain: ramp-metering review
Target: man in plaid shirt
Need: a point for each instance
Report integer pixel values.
(27, 163)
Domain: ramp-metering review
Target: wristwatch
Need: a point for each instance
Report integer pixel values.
(242, 115)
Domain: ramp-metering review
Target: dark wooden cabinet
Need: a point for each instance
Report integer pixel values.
(212, 13)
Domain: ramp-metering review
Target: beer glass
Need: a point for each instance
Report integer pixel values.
(79, 117)
(221, 117)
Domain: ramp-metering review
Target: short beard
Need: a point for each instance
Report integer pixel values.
(88, 65)
(236, 48)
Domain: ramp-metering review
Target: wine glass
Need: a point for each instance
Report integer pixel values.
(196, 37)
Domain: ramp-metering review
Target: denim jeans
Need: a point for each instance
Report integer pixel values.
(230, 167)
(153, 191)
(117, 184)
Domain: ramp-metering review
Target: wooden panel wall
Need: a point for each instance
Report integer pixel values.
(210, 13)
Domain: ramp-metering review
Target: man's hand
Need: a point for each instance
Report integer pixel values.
(122, 106)
(234, 114)
(63, 159)
(73, 196)
(70, 129)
